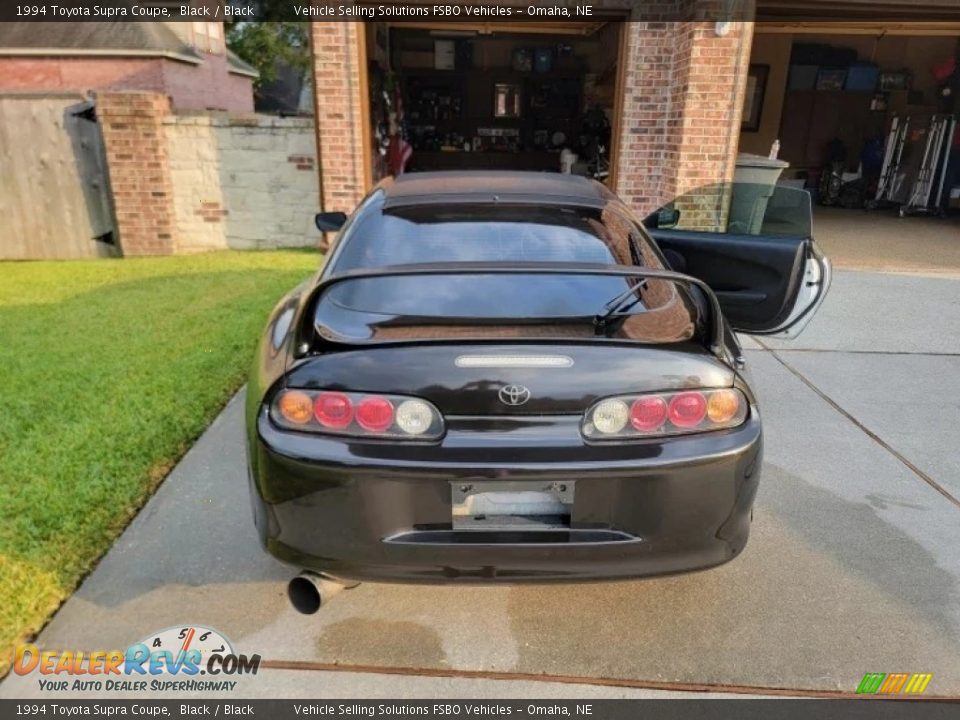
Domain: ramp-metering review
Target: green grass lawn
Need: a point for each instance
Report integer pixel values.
(109, 370)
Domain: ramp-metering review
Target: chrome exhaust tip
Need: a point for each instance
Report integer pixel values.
(308, 592)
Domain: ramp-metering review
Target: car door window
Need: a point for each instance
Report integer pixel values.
(738, 209)
(753, 245)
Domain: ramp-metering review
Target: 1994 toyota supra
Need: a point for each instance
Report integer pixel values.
(508, 377)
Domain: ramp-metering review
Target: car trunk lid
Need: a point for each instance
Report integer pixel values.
(512, 378)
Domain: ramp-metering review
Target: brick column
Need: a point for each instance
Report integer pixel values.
(683, 100)
(647, 123)
(139, 173)
(337, 94)
(714, 71)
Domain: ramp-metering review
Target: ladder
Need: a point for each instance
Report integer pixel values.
(932, 173)
(893, 152)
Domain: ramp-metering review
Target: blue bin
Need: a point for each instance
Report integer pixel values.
(542, 60)
(862, 77)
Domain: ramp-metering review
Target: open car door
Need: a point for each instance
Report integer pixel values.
(753, 245)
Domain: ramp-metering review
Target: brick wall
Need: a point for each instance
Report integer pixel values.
(139, 175)
(207, 86)
(336, 66)
(81, 74)
(683, 100)
(206, 181)
(712, 104)
(649, 116)
(242, 182)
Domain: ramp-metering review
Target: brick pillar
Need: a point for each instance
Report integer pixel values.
(682, 104)
(337, 91)
(646, 123)
(714, 71)
(139, 173)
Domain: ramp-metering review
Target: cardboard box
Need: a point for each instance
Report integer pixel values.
(416, 59)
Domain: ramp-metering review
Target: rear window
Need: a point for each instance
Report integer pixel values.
(480, 305)
(492, 305)
(480, 296)
(478, 233)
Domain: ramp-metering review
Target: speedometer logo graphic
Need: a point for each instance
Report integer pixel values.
(186, 638)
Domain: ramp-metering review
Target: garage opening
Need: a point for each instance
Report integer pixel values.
(865, 116)
(523, 96)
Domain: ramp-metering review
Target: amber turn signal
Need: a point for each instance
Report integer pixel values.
(723, 405)
(296, 407)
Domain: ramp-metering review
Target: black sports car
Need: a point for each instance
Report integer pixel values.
(507, 377)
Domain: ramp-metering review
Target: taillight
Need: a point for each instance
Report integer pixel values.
(664, 414)
(375, 413)
(723, 405)
(332, 410)
(687, 409)
(356, 414)
(296, 407)
(610, 416)
(648, 413)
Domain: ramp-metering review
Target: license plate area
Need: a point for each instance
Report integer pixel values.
(511, 505)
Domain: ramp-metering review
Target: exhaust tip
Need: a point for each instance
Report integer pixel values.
(304, 595)
(309, 591)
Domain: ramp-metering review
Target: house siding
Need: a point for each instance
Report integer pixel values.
(73, 74)
(209, 85)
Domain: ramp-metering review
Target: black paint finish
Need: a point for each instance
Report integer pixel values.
(379, 509)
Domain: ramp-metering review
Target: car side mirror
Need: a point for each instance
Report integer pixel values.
(330, 221)
(664, 218)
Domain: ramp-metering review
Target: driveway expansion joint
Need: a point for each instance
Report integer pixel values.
(863, 428)
(676, 686)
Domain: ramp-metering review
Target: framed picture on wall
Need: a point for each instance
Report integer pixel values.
(753, 98)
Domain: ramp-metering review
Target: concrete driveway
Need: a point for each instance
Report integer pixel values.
(853, 565)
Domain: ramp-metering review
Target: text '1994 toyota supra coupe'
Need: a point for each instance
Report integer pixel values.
(506, 377)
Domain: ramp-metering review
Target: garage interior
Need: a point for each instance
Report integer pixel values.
(829, 94)
(524, 96)
(545, 95)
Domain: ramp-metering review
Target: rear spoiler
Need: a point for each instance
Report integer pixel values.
(715, 335)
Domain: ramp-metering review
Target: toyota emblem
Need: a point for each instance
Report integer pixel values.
(514, 395)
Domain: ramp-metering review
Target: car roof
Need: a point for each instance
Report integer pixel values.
(491, 186)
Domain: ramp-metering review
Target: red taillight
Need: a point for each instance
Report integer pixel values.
(664, 414)
(375, 413)
(356, 414)
(333, 410)
(648, 413)
(687, 409)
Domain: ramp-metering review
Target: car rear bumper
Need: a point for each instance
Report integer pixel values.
(367, 512)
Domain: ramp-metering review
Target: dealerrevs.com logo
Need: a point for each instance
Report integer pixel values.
(190, 658)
